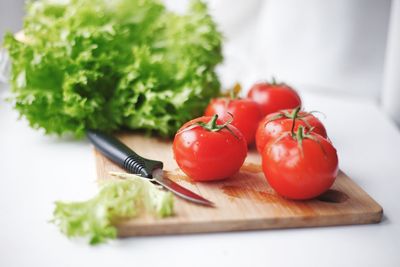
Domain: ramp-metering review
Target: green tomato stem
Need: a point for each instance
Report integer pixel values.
(294, 116)
(212, 125)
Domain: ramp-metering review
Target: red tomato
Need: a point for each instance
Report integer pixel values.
(273, 97)
(300, 167)
(246, 114)
(209, 149)
(276, 123)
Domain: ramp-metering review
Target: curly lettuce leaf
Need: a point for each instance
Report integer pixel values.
(117, 199)
(109, 65)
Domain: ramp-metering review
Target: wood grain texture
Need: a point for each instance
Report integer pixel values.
(243, 202)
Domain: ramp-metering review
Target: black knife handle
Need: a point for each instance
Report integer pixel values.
(122, 155)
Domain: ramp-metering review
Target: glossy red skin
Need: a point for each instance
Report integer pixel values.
(297, 176)
(274, 97)
(246, 114)
(207, 156)
(267, 131)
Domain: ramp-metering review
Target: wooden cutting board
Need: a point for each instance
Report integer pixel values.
(243, 202)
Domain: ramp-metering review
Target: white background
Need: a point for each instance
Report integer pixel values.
(329, 71)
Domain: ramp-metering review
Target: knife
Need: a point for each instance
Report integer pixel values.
(122, 155)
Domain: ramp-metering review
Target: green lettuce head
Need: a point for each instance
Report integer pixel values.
(108, 65)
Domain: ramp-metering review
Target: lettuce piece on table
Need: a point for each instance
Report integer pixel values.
(118, 199)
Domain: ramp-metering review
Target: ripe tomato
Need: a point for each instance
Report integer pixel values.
(246, 114)
(301, 166)
(209, 149)
(276, 123)
(273, 97)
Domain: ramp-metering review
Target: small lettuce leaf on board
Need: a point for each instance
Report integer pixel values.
(117, 199)
(107, 65)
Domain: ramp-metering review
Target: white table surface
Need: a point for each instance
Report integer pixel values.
(36, 170)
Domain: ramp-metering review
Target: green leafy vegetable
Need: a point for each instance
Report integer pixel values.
(117, 199)
(108, 65)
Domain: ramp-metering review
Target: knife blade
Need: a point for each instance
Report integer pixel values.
(178, 189)
(125, 157)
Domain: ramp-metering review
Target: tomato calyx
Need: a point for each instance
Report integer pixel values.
(299, 136)
(233, 93)
(302, 134)
(294, 115)
(274, 82)
(212, 125)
